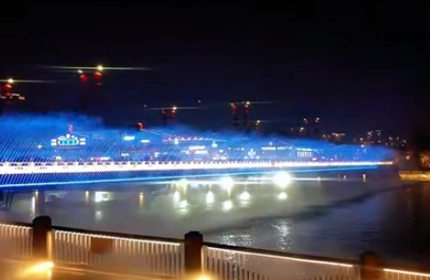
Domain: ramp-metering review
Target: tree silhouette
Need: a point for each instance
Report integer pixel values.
(425, 160)
(420, 146)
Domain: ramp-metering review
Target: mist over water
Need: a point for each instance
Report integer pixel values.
(29, 136)
(336, 213)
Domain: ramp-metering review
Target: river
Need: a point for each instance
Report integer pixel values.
(337, 216)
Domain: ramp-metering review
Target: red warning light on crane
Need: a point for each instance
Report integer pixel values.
(83, 78)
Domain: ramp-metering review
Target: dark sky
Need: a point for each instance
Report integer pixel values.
(357, 66)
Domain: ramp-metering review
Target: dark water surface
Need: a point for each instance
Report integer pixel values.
(335, 217)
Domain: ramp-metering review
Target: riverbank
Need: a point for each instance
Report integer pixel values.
(419, 176)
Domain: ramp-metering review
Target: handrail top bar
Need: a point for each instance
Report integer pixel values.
(11, 223)
(120, 235)
(407, 269)
(272, 253)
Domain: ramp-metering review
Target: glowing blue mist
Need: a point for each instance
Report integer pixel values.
(166, 178)
(71, 138)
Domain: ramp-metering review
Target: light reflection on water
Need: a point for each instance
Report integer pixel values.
(339, 218)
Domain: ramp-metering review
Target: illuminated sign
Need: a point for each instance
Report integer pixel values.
(193, 148)
(68, 141)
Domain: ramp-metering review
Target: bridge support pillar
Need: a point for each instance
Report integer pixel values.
(42, 238)
(193, 246)
(370, 266)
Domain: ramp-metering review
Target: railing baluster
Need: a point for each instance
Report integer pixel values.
(133, 254)
(244, 265)
(15, 241)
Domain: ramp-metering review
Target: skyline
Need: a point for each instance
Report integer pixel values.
(151, 116)
(362, 74)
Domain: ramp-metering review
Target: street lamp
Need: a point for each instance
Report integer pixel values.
(10, 81)
(100, 68)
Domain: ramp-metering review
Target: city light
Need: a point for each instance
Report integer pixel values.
(10, 81)
(129, 138)
(100, 68)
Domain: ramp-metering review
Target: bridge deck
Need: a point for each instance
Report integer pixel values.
(97, 167)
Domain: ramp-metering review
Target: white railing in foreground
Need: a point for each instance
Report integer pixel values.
(245, 265)
(396, 274)
(225, 262)
(140, 255)
(15, 240)
(109, 252)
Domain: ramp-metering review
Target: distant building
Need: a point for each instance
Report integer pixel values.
(378, 137)
(307, 127)
(12, 102)
(335, 137)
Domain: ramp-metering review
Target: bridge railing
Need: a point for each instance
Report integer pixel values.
(16, 240)
(119, 252)
(174, 259)
(228, 262)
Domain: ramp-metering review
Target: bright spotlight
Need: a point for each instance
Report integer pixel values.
(282, 179)
(227, 205)
(227, 182)
(101, 196)
(176, 197)
(183, 204)
(210, 197)
(282, 196)
(43, 267)
(245, 196)
(202, 277)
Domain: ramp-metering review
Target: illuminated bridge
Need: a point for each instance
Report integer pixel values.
(34, 173)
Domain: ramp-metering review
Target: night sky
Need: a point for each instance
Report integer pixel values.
(358, 67)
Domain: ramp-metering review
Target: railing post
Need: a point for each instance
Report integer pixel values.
(193, 253)
(370, 266)
(42, 238)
